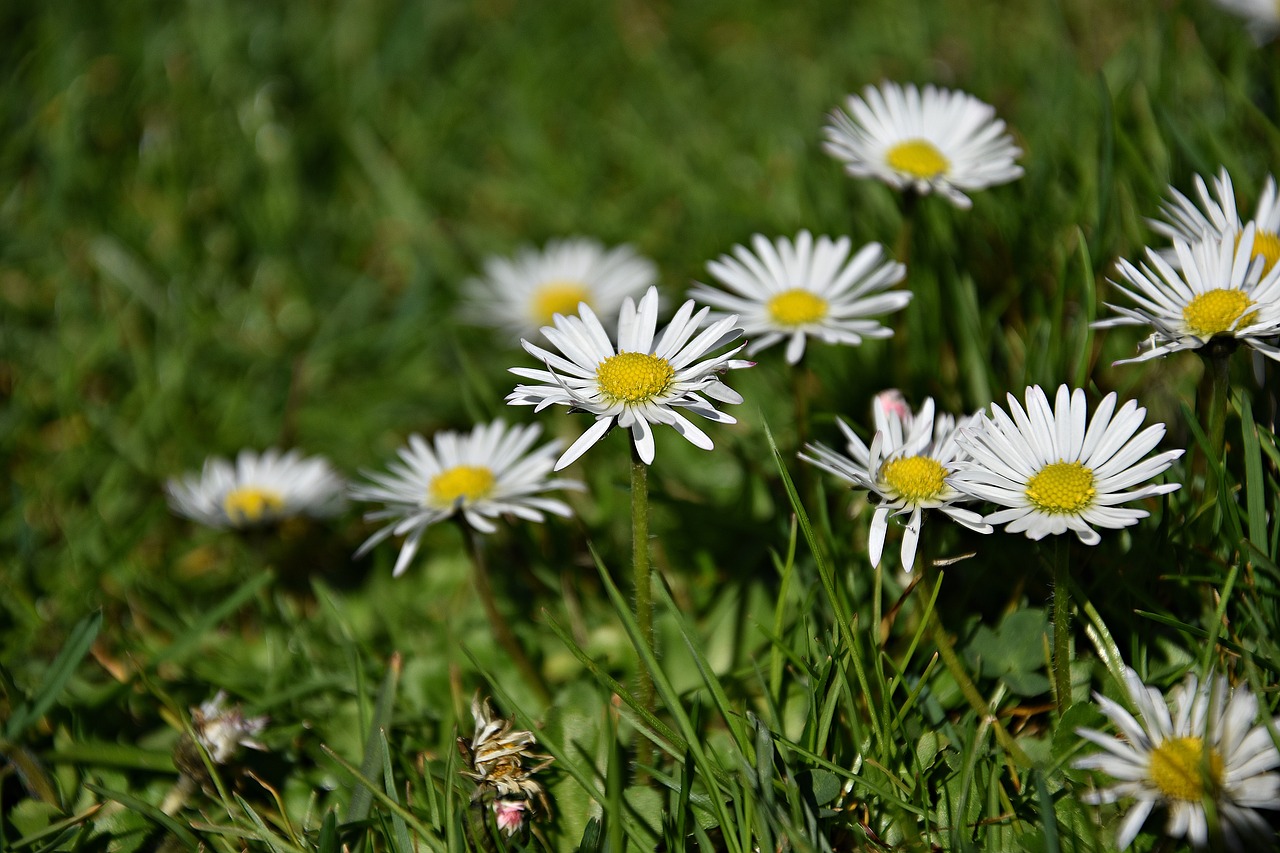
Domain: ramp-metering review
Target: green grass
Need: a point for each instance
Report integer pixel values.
(244, 225)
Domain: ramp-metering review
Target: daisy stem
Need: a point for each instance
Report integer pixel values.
(947, 651)
(1217, 376)
(1062, 623)
(500, 625)
(640, 573)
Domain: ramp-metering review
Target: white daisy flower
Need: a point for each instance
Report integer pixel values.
(1055, 472)
(222, 731)
(481, 475)
(940, 141)
(1216, 217)
(1208, 748)
(1261, 17)
(906, 466)
(257, 490)
(1217, 290)
(645, 380)
(790, 291)
(523, 293)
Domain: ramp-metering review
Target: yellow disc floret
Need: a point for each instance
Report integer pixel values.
(1266, 245)
(797, 307)
(251, 505)
(918, 158)
(560, 296)
(1178, 768)
(914, 478)
(461, 484)
(1215, 312)
(1062, 488)
(634, 377)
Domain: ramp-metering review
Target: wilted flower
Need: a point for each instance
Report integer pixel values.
(496, 758)
(221, 732)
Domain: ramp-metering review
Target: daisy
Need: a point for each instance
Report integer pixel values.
(523, 293)
(480, 476)
(790, 291)
(906, 466)
(1217, 290)
(1216, 217)
(644, 380)
(1262, 17)
(257, 490)
(937, 141)
(1208, 748)
(1056, 473)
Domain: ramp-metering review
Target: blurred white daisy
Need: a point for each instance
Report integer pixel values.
(523, 293)
(1208, 748)
(1261, 17)
(791, 290)
(222, 731)
(645, 380)
(1218, 290)
(906, 466)
(937, 140)
(1055, 471)
(257, 490)
(481, 475)
(1216, 217)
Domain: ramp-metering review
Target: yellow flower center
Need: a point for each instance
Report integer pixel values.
(918, 158)
(915, 478)
(558, 297)
(251, 504)
(634, 377)
(461, 483)
(1216, 311)
(1178, 768)
(1266, 245)
(796, 307)
(1062, 488)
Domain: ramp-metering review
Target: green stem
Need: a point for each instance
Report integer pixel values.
(641, 578)
(1217, 367)
(1062, 623)
(500, 625)
(947, 651)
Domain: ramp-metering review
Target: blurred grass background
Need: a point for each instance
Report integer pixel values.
(230, 225)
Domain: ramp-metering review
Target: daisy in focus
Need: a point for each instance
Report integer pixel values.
(1217, 290)
(523, 293)
(257, 490)
(1216, 217)
(1261, 17)
(937, 140)
(489, 472)
(906, 466)
(1056, 470)
(646, 379)
(793, 290)
(1208, 748)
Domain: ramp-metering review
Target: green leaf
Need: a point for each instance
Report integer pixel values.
(371, 767)
(1014, 651)
(824, 785)
(55, 677)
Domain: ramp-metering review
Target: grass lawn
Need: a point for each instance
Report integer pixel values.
(236, 226)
